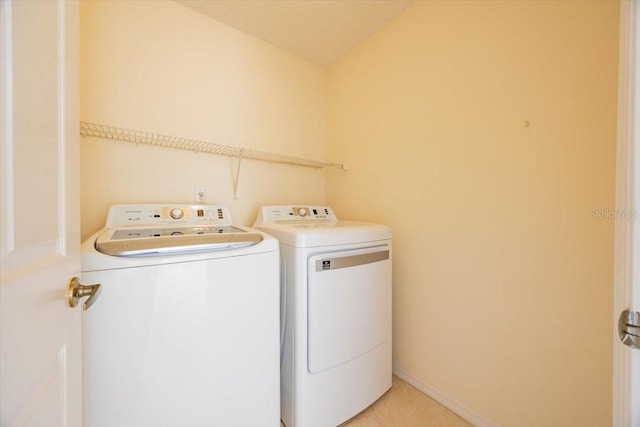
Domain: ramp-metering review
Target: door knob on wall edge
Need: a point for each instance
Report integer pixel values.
(629, 328)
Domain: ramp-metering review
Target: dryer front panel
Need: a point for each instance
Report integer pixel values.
(349, 305)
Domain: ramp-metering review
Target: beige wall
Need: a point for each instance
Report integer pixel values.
(158, 66)
(502, 278)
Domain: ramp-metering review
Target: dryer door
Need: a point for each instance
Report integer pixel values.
(349, 305)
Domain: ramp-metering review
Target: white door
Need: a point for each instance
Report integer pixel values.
(626, 362)
(40, 366)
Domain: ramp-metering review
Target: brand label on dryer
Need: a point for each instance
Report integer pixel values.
(326, 264)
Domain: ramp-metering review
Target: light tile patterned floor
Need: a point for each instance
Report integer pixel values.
(405, 406)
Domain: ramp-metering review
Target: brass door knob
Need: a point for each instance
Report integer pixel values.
(77, 291)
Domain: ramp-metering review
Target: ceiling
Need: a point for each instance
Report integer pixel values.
(318, 30)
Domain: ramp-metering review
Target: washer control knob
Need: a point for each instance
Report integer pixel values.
(302, 212)
(176, 213)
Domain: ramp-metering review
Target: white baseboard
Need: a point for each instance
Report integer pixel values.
(463, 411)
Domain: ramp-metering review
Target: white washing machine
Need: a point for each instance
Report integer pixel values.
(185, 331)
(336, 313)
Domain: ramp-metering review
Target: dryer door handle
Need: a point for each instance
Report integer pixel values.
(77, 291)
(351, 261)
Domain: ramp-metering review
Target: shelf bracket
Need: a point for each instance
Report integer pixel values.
(236, 178)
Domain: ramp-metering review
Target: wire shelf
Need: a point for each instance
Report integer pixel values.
(115, 133)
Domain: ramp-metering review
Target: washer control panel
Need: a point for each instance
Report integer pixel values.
(137, 215)
(296, 214)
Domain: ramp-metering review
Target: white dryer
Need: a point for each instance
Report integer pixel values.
(185, 331)
(336, 313)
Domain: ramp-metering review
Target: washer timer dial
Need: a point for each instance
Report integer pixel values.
(176, 213)
(302, 212)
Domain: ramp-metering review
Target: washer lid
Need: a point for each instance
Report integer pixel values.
(128, 242)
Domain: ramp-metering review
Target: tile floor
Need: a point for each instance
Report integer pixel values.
(405, 406)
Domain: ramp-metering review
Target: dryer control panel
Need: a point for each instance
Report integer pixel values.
(280, 214)
(177, 215)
